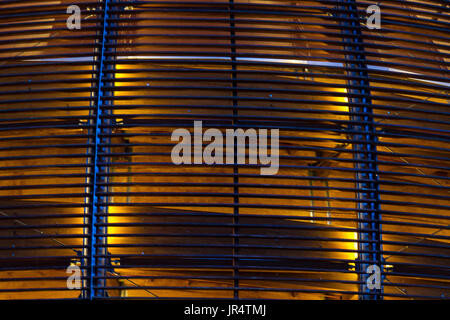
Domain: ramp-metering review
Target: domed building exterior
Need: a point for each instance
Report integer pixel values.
(355, 104)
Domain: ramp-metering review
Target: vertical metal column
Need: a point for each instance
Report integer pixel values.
(97, 210)
(362, 131)
(235, 167)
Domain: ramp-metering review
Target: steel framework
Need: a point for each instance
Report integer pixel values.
(362, 132)
(85, 170)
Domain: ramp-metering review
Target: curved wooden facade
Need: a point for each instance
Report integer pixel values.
(86, 175)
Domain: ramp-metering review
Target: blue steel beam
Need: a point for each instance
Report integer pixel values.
(369, 236)
(234, 84)
(97, 265)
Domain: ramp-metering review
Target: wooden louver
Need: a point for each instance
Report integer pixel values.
(86, 176)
